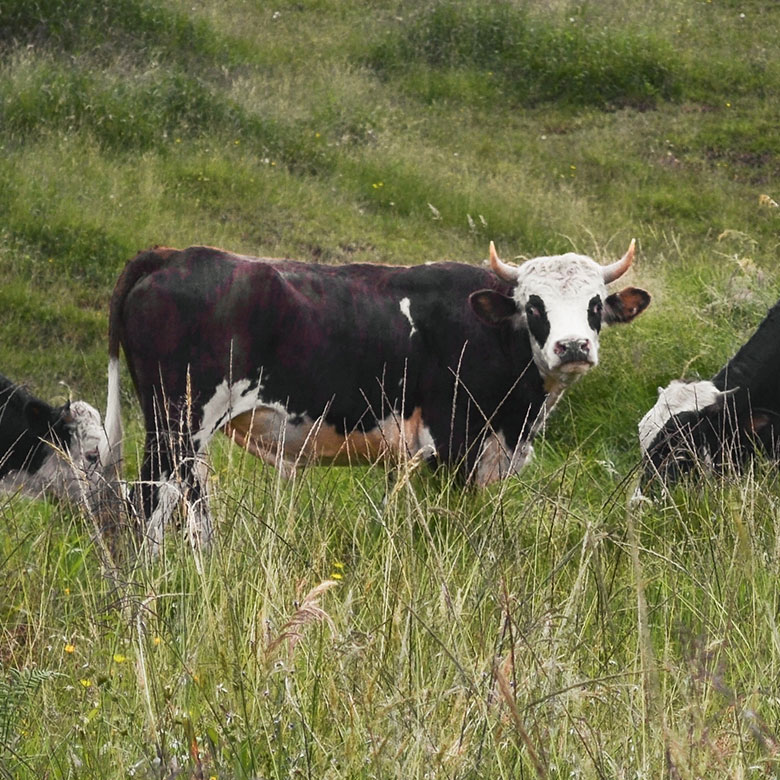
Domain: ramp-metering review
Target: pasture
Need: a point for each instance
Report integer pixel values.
(543, 627)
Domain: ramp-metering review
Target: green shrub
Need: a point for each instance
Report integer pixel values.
(147, 30)
(535, 59)
(142, 110)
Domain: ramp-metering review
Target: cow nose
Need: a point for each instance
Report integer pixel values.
(569, 350)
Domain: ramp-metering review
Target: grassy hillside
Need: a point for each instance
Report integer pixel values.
(539, 628)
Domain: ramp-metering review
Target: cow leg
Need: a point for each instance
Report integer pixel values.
(159, 494)
(172, 473)
(199, 525)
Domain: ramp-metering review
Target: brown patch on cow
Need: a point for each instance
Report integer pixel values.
(268, 434)
(165, 251)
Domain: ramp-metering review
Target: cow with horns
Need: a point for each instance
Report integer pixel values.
(51, 450)
(302, 363)
(722, 421)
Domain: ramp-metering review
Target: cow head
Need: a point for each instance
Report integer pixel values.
(79, 446)
(697, 423)
(88, 443)
(562, 301)
(676, 401)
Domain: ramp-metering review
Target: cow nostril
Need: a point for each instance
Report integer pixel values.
(572, 349)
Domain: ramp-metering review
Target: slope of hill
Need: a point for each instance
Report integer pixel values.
(541, 628)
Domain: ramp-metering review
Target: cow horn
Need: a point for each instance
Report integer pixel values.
(509, 273)
(616, 270)
(728, 391)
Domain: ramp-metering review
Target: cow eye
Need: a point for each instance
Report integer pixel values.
(597, 308)
(91, 457)
(531, 310)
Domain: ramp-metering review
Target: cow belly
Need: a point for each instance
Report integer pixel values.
(270, 434)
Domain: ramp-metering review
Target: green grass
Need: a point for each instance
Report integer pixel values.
(528, 58)
(543, 627)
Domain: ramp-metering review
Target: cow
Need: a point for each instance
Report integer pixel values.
(719, 422)
(52, 450)
(300, 362)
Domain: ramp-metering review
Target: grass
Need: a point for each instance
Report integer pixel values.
(527, 58)
(543, 627)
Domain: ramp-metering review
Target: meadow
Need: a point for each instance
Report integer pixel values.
(543, 627)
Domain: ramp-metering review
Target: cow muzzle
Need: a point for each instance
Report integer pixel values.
(574, 355)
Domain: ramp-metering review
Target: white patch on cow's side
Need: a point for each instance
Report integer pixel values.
(406, 310)
(676, 398)
(229, 401)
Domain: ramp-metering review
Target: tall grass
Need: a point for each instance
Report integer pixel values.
(471, 635)
(546, 626)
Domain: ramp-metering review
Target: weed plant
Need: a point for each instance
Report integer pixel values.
(544, 627)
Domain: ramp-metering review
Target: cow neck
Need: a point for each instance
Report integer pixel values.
(554, 391)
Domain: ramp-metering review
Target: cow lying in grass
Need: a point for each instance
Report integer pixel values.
(52, 450)
(300, 362)
(722, 421)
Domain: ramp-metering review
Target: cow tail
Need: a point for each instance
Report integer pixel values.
(140, 266)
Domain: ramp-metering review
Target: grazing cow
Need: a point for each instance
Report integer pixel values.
(301, 362)
(46, 449)
(721, 421)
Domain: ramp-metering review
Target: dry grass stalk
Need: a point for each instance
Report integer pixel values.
(308, 611)
(506, 692)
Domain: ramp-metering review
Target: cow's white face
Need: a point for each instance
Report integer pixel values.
(89, 441)
(677, 397)
(74, 472)
(563, 303)
(78, 473)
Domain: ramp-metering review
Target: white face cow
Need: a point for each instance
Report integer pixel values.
(87, 451)
(562, 301)
(677, 398)
(72, 470)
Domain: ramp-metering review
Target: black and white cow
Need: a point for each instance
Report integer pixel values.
(54, 450)
(303, 363)
(721, 421)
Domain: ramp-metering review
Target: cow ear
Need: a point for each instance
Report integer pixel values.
(492, 307)
(38, 416)
(716, 407)
(757, 422)
(623, 306)
(65, 414)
